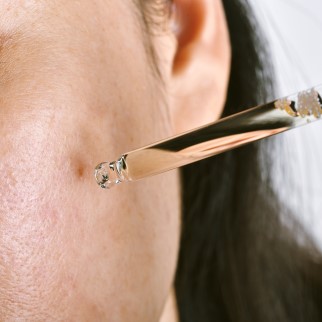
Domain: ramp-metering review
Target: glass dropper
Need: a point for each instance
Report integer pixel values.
(225, 134)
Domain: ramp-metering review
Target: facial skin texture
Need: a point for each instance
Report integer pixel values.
(76, 89)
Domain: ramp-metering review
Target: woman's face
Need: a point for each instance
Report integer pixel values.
(76, 89)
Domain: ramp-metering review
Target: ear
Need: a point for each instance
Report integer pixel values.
(200, 64)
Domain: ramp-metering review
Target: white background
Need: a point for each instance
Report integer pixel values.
(294, 30)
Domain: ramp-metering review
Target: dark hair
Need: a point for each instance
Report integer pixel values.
(237, 261)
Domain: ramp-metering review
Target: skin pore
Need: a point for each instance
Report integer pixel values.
(76, 89)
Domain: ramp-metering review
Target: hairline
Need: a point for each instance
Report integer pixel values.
(147, 28)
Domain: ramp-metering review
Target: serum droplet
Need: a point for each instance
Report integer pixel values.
(108, 174)
(102, 174)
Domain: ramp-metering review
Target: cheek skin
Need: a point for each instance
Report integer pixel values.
(68, 249)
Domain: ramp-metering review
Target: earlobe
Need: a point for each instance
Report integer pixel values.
(201, 63)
